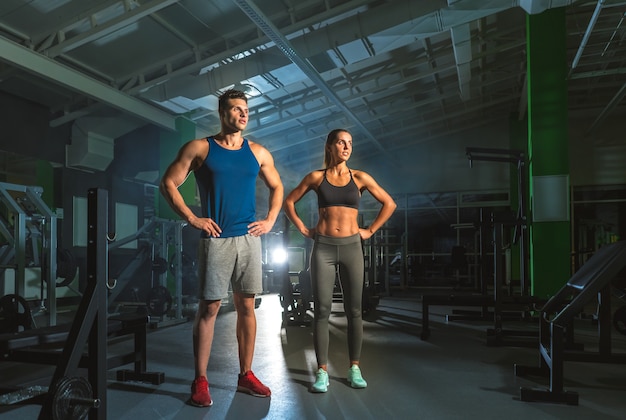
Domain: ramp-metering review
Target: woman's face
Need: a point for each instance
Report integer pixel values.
(341, 149)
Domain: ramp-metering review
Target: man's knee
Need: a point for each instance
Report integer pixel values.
(208, 308)
(244, 303)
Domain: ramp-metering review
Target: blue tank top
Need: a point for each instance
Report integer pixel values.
(329, 195)
(227, 186)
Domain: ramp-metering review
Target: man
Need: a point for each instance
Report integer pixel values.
(226, 167)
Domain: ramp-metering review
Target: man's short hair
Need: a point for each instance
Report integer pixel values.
(230, 94)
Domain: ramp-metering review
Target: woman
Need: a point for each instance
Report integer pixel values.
(337, 242)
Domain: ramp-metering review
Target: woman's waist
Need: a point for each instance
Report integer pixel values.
(337, 225)
(337, 240)
(336, 232)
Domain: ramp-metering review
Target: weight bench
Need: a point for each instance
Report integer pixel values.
(449, 300)
(591, 281)
(42, 346)
(501, 306)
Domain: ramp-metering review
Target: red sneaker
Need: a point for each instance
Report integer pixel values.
(200, 396)
(250, 384)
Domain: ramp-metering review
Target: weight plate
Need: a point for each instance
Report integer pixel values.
(67, 267)
(159, 301)
(69, 397)
(619, 320)
(159, 265)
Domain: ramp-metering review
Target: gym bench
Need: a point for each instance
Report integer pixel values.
(502, 307)
(43, 346)
(591, 283)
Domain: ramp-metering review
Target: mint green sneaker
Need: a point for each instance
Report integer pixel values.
(321, 381)
(354, 377)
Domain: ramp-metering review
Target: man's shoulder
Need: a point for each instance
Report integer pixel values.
(201, 142)
(259, 150)
(197, 149)
(254, 145)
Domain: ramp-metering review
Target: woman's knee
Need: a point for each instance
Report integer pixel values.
(322, 311)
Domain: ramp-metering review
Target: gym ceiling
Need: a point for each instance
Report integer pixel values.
(402, 75)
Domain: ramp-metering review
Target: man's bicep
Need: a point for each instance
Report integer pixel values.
(271, 177)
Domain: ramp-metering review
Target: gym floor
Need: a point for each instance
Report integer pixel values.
(452, 375)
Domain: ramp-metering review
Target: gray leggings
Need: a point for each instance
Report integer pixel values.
(347, 253)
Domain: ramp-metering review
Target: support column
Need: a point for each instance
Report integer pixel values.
(550, 242)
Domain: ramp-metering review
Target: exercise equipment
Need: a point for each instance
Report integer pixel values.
(15, 314)
(159, 301)
(84, 344)
(72, 398)
(29, 227)
(297, 300)
(503, 298)
(188, 264)
(591, 281)
(188, 272)
(67, 267)
(159, 265)
(619, 320)
(156, 238)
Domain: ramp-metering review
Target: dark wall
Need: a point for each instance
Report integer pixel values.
(137, 151)
(26, 130)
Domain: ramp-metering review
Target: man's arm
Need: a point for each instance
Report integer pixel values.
(174, 176)
(188, 159)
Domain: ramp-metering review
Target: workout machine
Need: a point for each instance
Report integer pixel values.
(297, 300)
(379, 259)
(515, 221)
(157, 238)
(592, 280)
(284, 264)
(500, 300)
(29, 228)
(84, 345)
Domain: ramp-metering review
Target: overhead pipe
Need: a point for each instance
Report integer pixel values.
(281, 42)
(583, 43)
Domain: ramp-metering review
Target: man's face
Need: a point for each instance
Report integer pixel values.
(235, 115)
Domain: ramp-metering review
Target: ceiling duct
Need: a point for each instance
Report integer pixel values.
(89, 150)
(534, 7)
(93, 140)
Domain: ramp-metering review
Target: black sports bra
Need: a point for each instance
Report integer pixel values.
(329, 195)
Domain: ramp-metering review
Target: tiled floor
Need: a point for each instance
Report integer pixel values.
(453, 375)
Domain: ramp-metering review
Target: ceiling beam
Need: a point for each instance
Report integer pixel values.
(106, 28)
(385, 20)
(48, 69)
(462, 44)
(253, 12)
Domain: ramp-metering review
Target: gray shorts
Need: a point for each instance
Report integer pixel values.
(235, 261)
